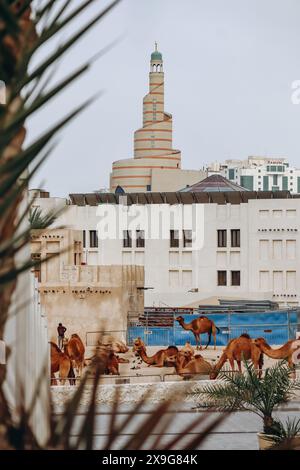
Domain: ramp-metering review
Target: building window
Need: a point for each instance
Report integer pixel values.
(148, 187)
(235, 238)
(187, 239)
(235, 278)
(222, 238)
(83, 239)
(127, 240)
(174, 238)
(222, 278)
(93, 239)
(140, 239)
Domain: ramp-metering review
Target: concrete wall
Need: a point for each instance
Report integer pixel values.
(86, 299)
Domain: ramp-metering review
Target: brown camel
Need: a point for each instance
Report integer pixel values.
(162, 358)
(238, 349)
(192, 366)
(75, 350)
(285, 352)
(61, 363)
(199, 326)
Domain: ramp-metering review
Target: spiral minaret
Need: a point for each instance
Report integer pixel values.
(153, 142)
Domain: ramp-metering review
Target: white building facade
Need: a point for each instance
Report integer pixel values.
(195, 248)
(260, 173)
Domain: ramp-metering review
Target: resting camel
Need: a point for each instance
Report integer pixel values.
(161, 358)
(117, 347)
(238, 349)
(199, 326)
(188, 348)
(285, 352)
(61, 363)
(75, 350)
(194, 365)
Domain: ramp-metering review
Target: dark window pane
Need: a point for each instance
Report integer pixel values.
(174, 238)
(140, 239)
(127, 241)
(93, 239)
(235, 278)
(83, 239)
(235, 238)
(222, 238)
(222, 278)
(187, 239)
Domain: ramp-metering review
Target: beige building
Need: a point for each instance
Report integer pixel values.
(88, 300)
(156, 165)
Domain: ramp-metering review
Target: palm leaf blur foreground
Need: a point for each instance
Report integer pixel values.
(249, 393)
(25, 95)
(23, 32)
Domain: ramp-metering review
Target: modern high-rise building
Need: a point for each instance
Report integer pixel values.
(260, 173)
(156, 165)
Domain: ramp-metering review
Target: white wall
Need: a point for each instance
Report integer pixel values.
(269, 249)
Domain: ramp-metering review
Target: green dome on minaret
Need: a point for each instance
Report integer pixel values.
(156, 55)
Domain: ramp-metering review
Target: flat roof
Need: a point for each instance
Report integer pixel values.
(230, 197)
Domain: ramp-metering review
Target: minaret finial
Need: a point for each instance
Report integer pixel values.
(155, 45)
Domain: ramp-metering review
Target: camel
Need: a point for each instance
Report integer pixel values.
(112, 367)
(195, 365)
(199, 326)
(285, 352)
(188, 348)
(238, 349)
(75, 350)
(116, 346)
(61, 363)
(162, 358)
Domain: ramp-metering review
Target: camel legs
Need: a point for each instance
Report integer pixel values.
(215, 340)
(53, 379)
(292, 367)
(231, 362)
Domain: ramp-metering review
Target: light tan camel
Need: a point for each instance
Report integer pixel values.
(188, 348)
(238, 349)
(75, 350)
(198, 327)
(162, 358)
(116, 346)
(61, 363)
(192, 366)
(285, 352)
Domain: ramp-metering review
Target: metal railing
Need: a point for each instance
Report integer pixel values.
(276, 327)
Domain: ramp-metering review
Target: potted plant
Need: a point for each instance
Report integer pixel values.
(260, 396)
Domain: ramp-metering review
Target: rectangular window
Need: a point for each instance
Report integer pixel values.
(231, 174)
(83, 239)
(127, 240)
(187, 239)
(222, 278)
(93, 239)
(266, 183)
(235, 278)
(275, 180)
(174, 238)
(140, 239)
(148, 187)
(222, 238)
(235, 238)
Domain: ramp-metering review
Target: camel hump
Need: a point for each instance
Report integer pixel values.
(245, 335)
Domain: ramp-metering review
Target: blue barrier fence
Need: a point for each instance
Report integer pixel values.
(276, 327)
